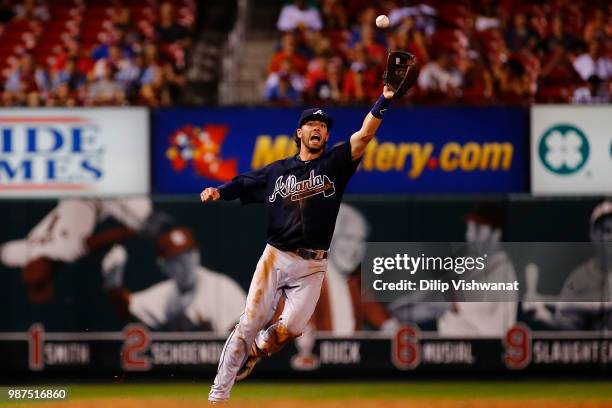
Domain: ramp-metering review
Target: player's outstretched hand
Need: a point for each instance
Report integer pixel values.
(210, 194)
(388, 93)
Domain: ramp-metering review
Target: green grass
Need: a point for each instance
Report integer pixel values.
(317, 391)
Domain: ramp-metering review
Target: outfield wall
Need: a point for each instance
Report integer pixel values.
(77, 330)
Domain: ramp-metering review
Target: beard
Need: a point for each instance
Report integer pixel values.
(315, 149)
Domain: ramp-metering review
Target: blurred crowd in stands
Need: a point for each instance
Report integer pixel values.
(108, 52)
(470, 51)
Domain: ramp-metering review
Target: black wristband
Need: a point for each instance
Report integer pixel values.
(380, 107)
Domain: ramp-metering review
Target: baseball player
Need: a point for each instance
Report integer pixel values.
(340, 310)
(302, 195)
(66, 234)
(192, 298)
(585, 301)
(484, 228)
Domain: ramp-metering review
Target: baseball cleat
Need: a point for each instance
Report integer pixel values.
(249, 364)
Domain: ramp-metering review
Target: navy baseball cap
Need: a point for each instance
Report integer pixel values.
(315, 114)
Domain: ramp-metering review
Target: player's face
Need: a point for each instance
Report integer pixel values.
(347, 249)
(182, 269)
(482, 238)
(314, 134)
(601, 235)
(602, 232)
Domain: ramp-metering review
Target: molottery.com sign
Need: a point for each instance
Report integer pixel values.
(571, 149)
(426, 150)
(58, 152)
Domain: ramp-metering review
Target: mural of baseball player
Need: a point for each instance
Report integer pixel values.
(66, 234)
(302, 194)
(192, 298)
(577, 306)
(340, 310)
(484, 227)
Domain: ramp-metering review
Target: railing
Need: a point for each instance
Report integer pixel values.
(231, 56)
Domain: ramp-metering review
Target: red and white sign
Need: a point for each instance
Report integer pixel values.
(60, 152)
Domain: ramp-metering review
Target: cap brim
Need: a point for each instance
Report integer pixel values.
(325, 119)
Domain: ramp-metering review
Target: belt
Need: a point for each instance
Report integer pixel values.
(309, 254)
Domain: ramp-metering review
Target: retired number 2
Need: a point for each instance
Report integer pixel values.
(136, 344)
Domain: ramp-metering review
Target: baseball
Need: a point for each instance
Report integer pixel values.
(382, 21)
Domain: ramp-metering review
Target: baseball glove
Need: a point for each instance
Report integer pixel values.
(401, 73)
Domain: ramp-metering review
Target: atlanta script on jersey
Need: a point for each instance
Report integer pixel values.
(302, 198)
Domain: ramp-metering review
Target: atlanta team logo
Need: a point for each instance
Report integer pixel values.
(299, 190)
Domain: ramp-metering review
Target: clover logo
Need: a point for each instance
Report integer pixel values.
(564, 149)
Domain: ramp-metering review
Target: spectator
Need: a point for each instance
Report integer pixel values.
(375, 50)
(68, 75)
(406, 37)
(104, 72)
(595, 28)
(594, 91)
(593, 63)
(477, 81)
(32, 10)
(148, 97)
(33, 99)
(365, 22)
(557, 35)
(328, 88)
(283, 93)
(514, 83)
(299, 16)
(334, 15)
(26, 77)
(487, 18)
(284, 85)
(113, 39)
(440, 76)
(114, 60)
(317, 71)
(288, 51)
(174, 82)
(518, 36)
(151, 64)
(361, 83)
(423, 15)
(128, 72)
(131, 80)
(608, 26)
(6, 11)
(105, 90)
(62, 96)
(21, 74)
(557, 69)
(168, 30)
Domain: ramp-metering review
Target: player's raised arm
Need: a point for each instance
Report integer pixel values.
(361, 138)
(400, 75)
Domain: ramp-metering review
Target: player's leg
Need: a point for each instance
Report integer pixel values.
(259, 303)
(302, 295)
(254, 353)
(131, 212)
(62, 234)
